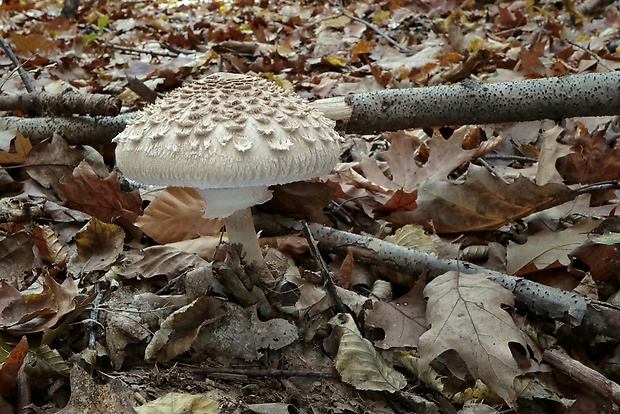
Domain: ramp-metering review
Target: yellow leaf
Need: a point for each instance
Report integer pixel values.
(22, 147)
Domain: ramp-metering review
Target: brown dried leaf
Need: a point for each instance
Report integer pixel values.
(175, 215)
(303, 200)
(98, 246)
(592, 161)
(18, 156)
(10, 367)
(548, 247)
(49, 246)
(36, 312)
(48, 162)
(179, 330)
(101, 198)
(16, 258)
(162, 260)
(465, 315)
(482, 202)
(90, 398)
(402, 320)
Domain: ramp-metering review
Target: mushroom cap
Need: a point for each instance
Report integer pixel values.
(227, 131)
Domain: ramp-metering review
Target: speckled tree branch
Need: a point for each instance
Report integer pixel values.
(594, 316)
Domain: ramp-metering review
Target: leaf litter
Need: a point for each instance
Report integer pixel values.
(91, 279)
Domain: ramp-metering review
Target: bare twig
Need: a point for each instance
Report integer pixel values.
(327, 279)
(262, 372)
(591, 53)
(586, 376)
(135, 50)
(22, 73)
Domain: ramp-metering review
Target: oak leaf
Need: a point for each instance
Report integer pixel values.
(465, 315)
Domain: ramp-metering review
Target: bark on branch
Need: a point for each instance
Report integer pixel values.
(68, 102)
(591, 315)
(594, 94)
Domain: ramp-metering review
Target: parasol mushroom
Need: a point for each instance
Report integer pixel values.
(229, 136)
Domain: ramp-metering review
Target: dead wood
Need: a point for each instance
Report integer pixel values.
(594, 316)
(594, 94)
(68, 102)
(557, 358)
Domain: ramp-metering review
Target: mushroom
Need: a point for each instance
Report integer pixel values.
(229, 136)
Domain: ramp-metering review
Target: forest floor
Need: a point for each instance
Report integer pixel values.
(119, 299)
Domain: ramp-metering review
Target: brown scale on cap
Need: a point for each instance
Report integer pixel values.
(230, 136)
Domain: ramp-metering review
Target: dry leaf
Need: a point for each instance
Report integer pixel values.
(482, 202)
(176, 215)
(90, 398)
(402, 320)
(10, 367)
(22, 148)
(465, 315)
(176, 402)
(359, 363)
(98, 246)
(178, 331)
(101, 198)
(547, 247)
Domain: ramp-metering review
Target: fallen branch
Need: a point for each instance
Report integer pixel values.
(593, 94)
(584, 375)
(594, 316)
(85, 130)
(68, 102)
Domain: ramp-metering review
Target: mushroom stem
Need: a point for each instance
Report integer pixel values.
(240, 229)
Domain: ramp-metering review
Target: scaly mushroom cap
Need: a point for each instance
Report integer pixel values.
(227, 131)
(230, 136)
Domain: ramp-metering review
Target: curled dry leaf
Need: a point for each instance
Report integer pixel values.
(98, 246)
(10, 367)
(35, 312)
(359, 363)
(465, 314)
(178, 331)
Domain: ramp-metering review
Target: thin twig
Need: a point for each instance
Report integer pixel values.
(489, 167)
(519, 158)
(22, 73)
(327, 279)
(591, 53)
(374, 28)
(134, 50)
(94, 315)
(262, 372)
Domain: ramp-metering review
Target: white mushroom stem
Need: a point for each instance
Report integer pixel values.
(239, 225)
(240, 230)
